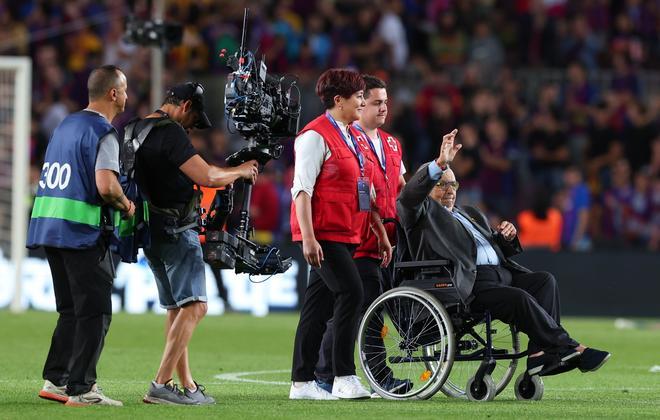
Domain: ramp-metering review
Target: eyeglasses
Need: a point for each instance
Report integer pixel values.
(444, 185)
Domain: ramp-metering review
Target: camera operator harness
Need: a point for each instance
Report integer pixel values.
(174, 220)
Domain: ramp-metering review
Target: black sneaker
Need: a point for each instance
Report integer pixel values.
(592, 359)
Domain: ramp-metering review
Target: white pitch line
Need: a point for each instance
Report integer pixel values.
(238, 377)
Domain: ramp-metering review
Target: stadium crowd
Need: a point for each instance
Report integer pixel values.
(557, 103)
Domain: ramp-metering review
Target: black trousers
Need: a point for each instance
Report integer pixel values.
(373, 280)
(334, 291)
(82, 280)
(530, 301)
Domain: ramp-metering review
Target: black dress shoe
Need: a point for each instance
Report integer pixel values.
(592, 359)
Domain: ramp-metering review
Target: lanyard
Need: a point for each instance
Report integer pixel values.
(355, 151)
(383, 163)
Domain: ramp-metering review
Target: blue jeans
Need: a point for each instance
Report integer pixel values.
(179, 270)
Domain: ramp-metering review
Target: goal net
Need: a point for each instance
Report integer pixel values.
(15, 103)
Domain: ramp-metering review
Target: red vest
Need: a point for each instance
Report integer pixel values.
(335, 212)
(387, 191)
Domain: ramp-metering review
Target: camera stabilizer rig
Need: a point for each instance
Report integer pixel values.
(263, 110)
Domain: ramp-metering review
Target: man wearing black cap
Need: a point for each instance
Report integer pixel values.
(167, 169)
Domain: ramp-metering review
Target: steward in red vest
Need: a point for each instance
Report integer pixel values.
(335, 211)
(331, 204)
(387, 183)
(369, 259)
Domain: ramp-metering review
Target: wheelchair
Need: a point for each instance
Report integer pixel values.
(419, 338)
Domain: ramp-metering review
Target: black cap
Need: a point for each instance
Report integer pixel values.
(195, 92)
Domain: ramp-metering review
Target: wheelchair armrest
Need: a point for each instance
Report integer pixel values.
(416, 265)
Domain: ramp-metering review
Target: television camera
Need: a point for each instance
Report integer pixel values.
(263, 110)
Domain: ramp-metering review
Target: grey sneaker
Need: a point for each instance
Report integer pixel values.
(92, 397)
(52, 392)
(168, 394)
(199, 395)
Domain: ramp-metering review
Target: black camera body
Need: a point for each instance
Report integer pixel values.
(263, 109)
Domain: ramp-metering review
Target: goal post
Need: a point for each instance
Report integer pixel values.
(15, 104)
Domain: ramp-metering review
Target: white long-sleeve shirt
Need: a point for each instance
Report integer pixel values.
(311, 152)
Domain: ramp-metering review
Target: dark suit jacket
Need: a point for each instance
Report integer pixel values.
(433, 233)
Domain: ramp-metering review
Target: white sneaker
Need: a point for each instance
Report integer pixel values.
(93, 397)
(52, 392)
(309, 391)
(349, 387)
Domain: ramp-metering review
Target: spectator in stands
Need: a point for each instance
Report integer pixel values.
(625, 40)
(485, 51)
(496, 175)
(581, 44)
(616, 200)
(319, 40)
(577, 97)
(654, 165)
(604, 147)
(638, 216)
(539, 34)
(549, 151)
(625, 77)
(391, 30)
(540, 226)
(484, 104)
(575, 205)
(639, 130)
(467, 166)
(654, 240)
(449, 43)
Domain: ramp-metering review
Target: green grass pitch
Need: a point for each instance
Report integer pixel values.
(623, 388)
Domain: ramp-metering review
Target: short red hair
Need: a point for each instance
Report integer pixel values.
(340, 82)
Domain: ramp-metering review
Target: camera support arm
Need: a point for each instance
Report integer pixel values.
(255, 150)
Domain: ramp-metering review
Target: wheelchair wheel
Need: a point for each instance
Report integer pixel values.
(481, 392)
(505, 341)
(391, 340)
(529, 388)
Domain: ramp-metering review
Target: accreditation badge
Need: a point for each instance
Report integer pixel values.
(364, 193)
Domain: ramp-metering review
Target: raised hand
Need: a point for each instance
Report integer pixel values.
(448, 149)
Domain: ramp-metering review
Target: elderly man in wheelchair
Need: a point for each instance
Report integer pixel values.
(460, 298)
